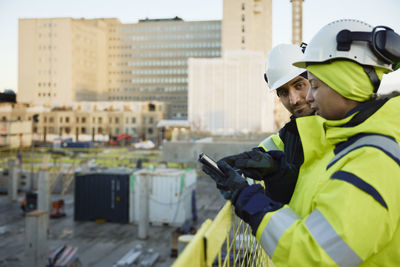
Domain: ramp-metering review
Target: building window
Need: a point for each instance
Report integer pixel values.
(243, 6)
(44, 119)
(66, 119)
(77, 119)
(67, 130)
(152, 107)
(116, 120)
(150, 130)
(133, 130)
(99, 130)
(83, 130)
(61, 119)
(243, 17)
(51, 119)
(151, 120)
(133, 120)
(99, 119)
(83, 120)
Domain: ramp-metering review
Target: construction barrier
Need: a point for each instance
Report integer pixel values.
(32, 158)
(226, 241)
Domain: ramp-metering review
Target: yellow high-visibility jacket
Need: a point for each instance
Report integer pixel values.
(345, 210)
(272, 142)
(288, 141)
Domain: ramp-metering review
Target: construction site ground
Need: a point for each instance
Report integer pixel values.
(99, 244)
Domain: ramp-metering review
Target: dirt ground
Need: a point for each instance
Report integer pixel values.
(99, 244)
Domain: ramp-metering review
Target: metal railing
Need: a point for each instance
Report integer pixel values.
(226, 241)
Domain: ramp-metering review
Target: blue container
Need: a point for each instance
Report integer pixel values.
(102, 195)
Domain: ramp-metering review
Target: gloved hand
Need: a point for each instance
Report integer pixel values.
(252, 205)
(280, 185)
(255, 164)
(229, 185)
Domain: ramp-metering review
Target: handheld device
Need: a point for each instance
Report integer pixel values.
(206, 160)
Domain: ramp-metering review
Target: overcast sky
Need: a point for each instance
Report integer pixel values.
(316, 13)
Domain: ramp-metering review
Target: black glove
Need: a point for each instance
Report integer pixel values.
(280, 185)
(255, 164)
(252, 205)
(229, 185)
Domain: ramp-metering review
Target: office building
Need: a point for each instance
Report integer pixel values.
(62, 60)
(149, 60)
(229, 95)
(247, 25)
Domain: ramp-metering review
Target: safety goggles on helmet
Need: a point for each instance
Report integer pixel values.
(357, 41)
(383, 42)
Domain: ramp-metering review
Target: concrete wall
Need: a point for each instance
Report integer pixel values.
(229, 95)
(188, 152)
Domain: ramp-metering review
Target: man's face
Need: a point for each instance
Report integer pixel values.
(293, 96)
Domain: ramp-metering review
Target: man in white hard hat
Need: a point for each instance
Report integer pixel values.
(291, 85)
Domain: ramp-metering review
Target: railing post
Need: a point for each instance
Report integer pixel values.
(143, 216)
(12, 181)
(44, 191)
(36, 224)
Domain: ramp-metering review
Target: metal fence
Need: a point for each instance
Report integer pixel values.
(224, 241)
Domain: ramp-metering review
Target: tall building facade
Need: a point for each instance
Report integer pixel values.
(297, 21)
(229, 95)
(247, 25)
(149, 59)
(62, 60)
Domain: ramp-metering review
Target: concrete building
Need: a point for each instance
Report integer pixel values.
(89, 121)
(297, 21)
(99, 121)
(247, 25)
(62, 60)
(149, 60)
(15, 127)
(228, 95)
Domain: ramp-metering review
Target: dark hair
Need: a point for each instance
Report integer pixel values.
(304, 75)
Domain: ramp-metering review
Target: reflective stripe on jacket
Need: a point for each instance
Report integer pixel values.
(272, 142)
(345, 210)
(288, 141)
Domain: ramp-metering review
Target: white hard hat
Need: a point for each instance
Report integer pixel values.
(279, 65)
(325, 45)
